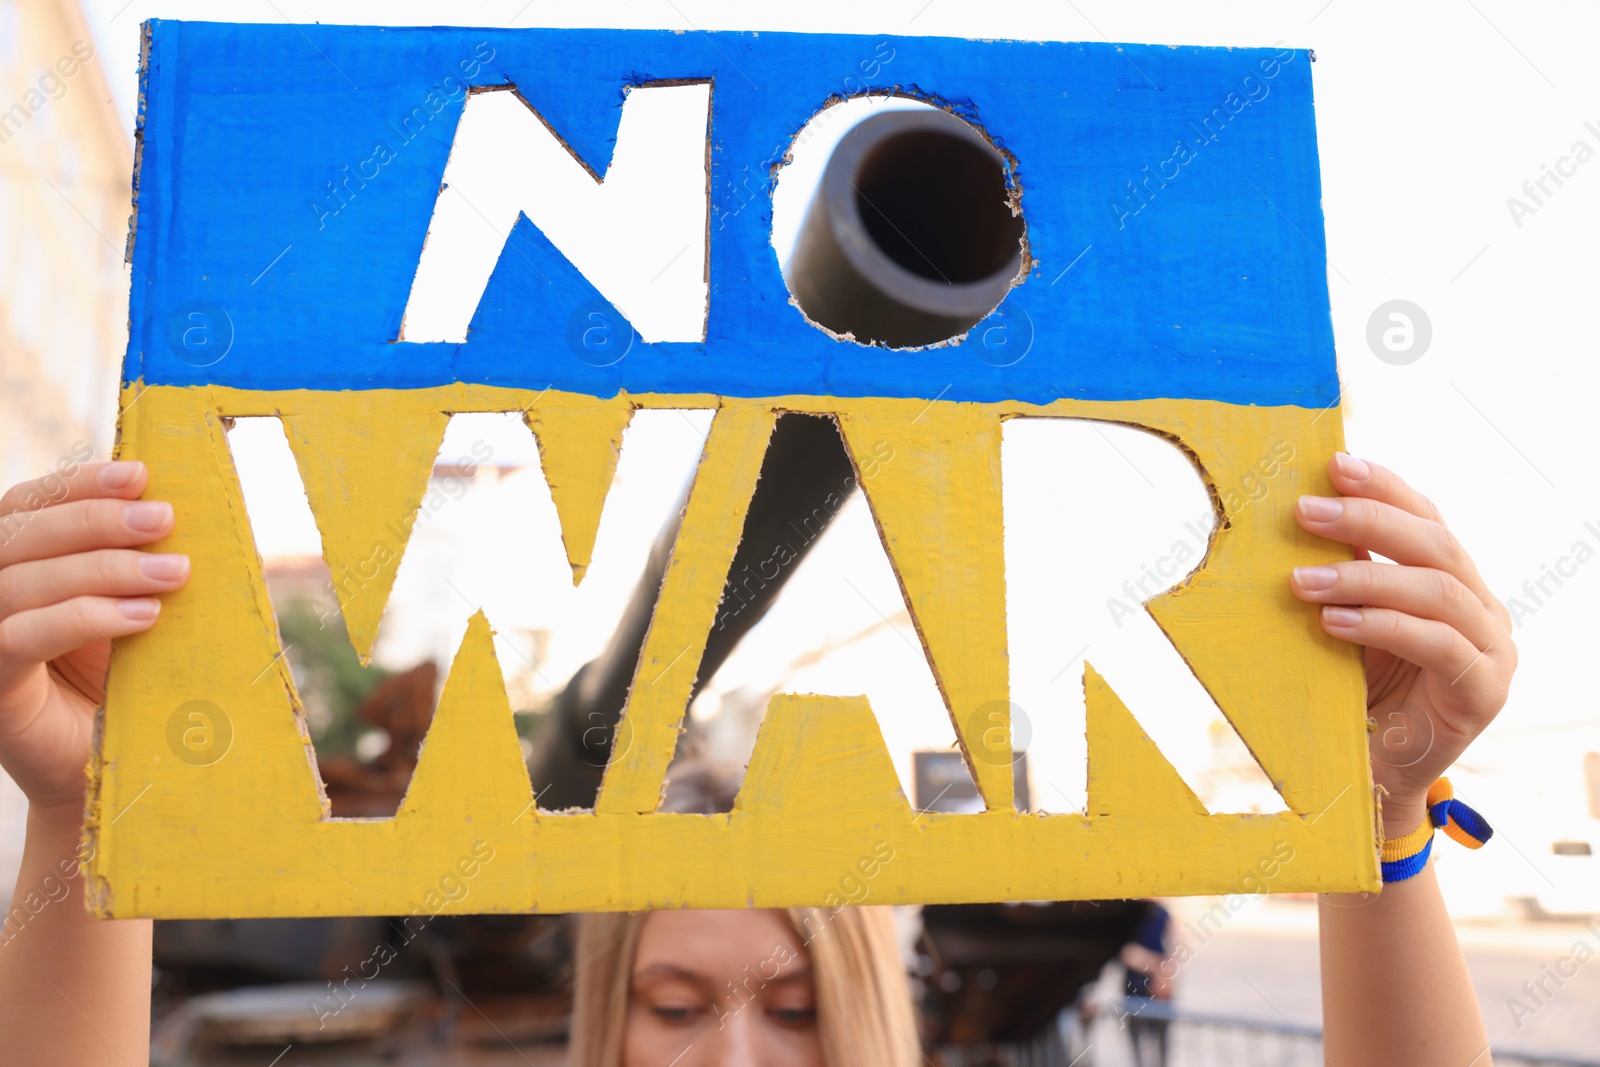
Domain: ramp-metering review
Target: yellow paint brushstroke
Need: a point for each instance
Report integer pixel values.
(471, 763)
(249, 834)
(713, 516)
(1128, 776)
(365, 459)
(937, 505)
(579, 439)
(818, 759)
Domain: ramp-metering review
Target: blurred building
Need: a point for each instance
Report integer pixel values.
(65, 168)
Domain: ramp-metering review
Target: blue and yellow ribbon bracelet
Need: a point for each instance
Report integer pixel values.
(1404, 857)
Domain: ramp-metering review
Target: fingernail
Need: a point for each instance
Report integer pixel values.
(142, 609)
(1343, 618)
(1351, 467)
(1321, 508)
(147, 516)
(164, 568)
(1315, 578)
(121, 474)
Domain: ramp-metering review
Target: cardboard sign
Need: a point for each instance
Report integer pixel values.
(290, 212)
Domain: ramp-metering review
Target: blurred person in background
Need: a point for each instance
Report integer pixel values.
(1148, 978)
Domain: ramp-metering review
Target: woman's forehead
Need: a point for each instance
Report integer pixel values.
(700, 940)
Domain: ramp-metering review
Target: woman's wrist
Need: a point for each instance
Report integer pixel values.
(1403, 814)
(61, 819)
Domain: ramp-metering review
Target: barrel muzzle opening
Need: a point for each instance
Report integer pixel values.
(913, 236)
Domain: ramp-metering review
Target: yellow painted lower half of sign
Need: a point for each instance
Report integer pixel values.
(248, 833)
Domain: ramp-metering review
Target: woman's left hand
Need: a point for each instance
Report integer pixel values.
(1439, 654)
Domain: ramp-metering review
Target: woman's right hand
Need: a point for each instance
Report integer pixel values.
(72, 578)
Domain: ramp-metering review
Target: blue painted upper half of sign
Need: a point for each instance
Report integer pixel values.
(1188, 174)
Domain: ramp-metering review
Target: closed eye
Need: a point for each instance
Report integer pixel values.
(794, 1018)
(675, 1015)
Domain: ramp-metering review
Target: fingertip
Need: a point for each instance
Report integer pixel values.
(122, 475)
(148, 517)
(1315, 579)
(1335, 618)
(1350, 468)
(140, 609)
(164, 567)
(1320, 509)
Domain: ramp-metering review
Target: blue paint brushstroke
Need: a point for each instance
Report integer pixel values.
(1210, 282)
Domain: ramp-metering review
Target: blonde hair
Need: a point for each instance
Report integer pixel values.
(864, 1011)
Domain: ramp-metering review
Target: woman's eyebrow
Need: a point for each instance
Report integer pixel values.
(663, 969)
(801, 974)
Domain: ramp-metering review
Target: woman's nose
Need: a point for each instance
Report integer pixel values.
(734, 1043)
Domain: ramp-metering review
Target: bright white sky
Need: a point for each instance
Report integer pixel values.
(1430, 115)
